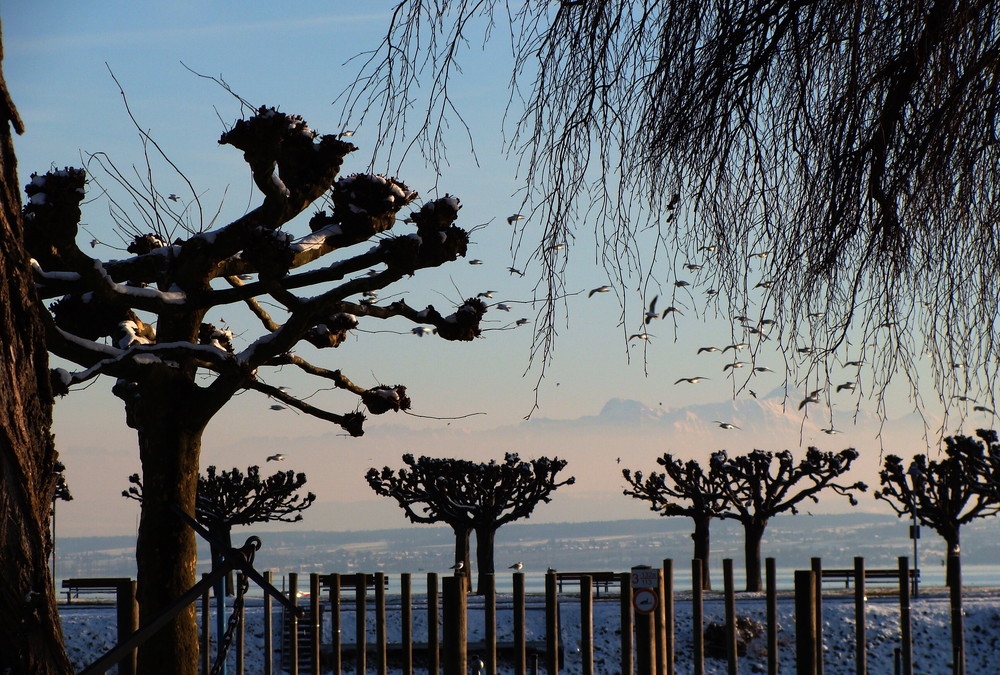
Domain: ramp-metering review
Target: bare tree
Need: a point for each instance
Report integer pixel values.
(947, 493)
(683, 489)
(230, 498)
(756, 490)
(470, 496)
(144, 320)
(30, 634)
(833, 163)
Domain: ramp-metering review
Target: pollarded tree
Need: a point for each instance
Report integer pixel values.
(231, 498)
(144, 320)
(947, 493)
(470, 496)
(757, 489)
(841, 152)
(30, 635)
(683, 489)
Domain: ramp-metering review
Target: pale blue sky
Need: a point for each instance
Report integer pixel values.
(293, 57)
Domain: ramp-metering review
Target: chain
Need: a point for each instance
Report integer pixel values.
(234, 622)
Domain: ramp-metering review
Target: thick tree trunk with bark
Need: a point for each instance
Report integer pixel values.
(462, 553)
(952, 557)
(485, 552)
(754, 533)
(702, 548)
(30, 635)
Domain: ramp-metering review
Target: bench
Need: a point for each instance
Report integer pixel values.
(106, 586)
(873, 575)
(349, 582)
(600, 580)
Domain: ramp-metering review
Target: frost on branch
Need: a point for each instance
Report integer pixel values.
(332, 332)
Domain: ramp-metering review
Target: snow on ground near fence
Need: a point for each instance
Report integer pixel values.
(90, 631)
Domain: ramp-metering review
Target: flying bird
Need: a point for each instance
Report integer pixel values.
(514, 270)
(734, 364)
(277, 406)
(520, 322)
(694, 267)
(856, 364)
(276, 458)
(831, 431)
(599, 289)
(709, 248)
(967, 399)
(347, 133)
(485, 294)
(738, 346)
(761, 255)
(711, 291)
(641, 336)
(762, 369)
(982, 408)
(764, 284)
(651, 312)
(670, 310)
(849, 386)
(172, 197)
(475, 261)
(421, 331)
(811, 398)
(707, 349)
(725, 425)
(516, 566)
(692, 380)
(681, 283)
(503, 307)
(514, 218)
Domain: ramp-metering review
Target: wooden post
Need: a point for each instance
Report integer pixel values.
(697, 617)
(360, 622)
(667, 598)
(659, 629)
(817, 568)
(732, 658)
(336, 664)
(905, 632)
(406, 621)
(626, 635)
(520, 643)
(488, 588)
(860, 618)
(241, 641)
(805, 622)
(128, 619)
(455, 626)
(293, 624)
(316, 623)
(380, 630)
(551, 624)
(433, 627)
(587, 624)
(645, 648)
(206, 632)
(269, 630)
(957, 620)
(771, 586)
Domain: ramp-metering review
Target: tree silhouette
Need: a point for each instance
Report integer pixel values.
(841, 153)
(470, 496)
(231, 498)
(947, 493)
(683, 489)
(30, 636)
(756, 490)
(144, 320)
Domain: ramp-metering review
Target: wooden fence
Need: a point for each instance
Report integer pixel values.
(647, 628)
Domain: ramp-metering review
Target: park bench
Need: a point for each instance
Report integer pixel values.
(105, 586)
(349, 582)
(873, 575)
(599, 579)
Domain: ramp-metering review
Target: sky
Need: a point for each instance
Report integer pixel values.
(62, 61)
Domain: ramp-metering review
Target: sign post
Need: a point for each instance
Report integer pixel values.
(645, 600)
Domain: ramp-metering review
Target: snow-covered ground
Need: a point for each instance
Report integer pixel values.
(90, 630)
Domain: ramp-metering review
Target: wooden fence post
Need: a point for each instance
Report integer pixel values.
(697, 617)
(520, 650)
(433, 627)
(771, 601)
(455, 626)
(360, 622)
(587, 624)
(659, 627)
(380, 629)
(905, 633)
(269, 630)
(406, 620)
(489, 591)
(957, 621)
(128, 621)
(667, 598)
(206, 631)
(336, 641)
(316, 623)
(551, 624)
(241, 634)
(293, 624)
(817, 568)
(628, 667)
(732, 658)
(860, 618)
(805, 622)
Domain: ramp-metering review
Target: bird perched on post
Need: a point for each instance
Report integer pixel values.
(516, 566)
(458, 566)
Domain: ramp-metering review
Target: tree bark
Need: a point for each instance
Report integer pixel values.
(754, 533)
(462, 553)
(30, 634)
(702, 548)
(952, 558)
(485, 551)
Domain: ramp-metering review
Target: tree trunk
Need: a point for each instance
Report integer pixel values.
(169, 420)
(30, 635)
(702, 549)
(462, 553)
(754, 532)
(485, 550)
(952, 557)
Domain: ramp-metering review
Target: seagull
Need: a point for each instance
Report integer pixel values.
(734, 364)
(856, 364)
(347, 133)
(692, 380)
(670, 310)
(849, 386)
(966, 399)
(831, 431)
(277, 406)
(94, 243)
(599, 289)
(485, 294)
(555, 247)
(514, 218)
(458, 566)
(982, 408)
(421, 331)
(276, 458)
(520, 322)
(725, 425)
(707, 349)
(641, 336)
(764, 284)
(761, 255)
(514, 270)
(811, 398)
(475, 261)
(752, 393)
(651, 312)
(738, 346)
(503, 307)
(709, 249)
(806, 350)
(741, 318)
(762, 369)
(694, 267)
(172, 197)
(681, 283)
(711, 291)
(516, 566)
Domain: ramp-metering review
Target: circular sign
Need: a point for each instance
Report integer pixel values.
(645, 600)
